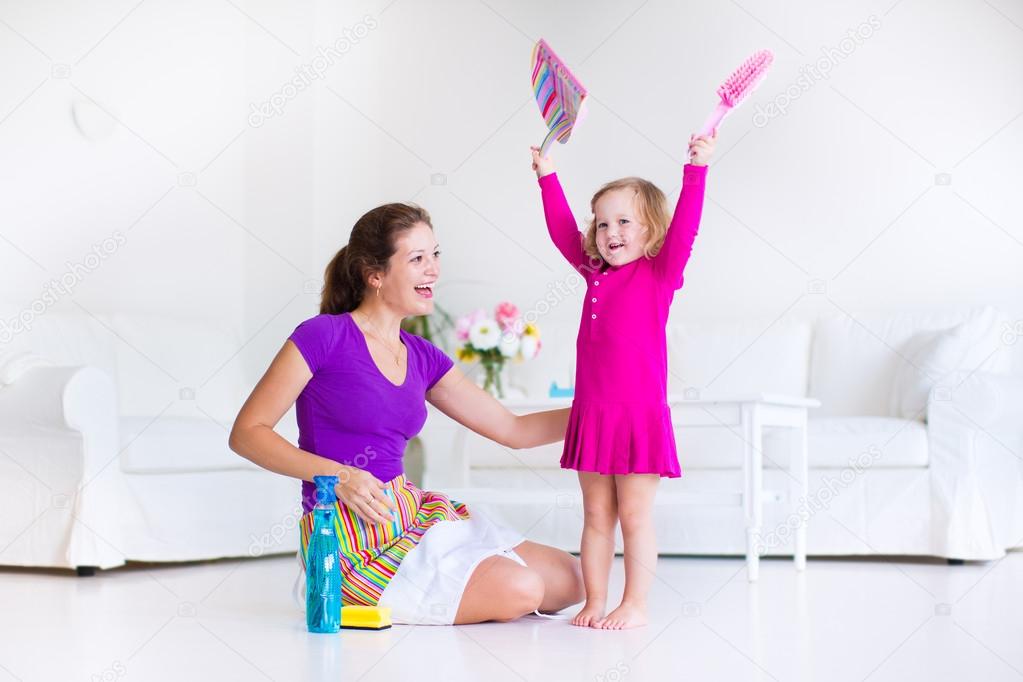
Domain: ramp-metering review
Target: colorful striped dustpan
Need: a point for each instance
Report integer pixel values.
(559, 95)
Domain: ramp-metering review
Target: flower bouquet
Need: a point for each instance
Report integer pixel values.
(495, 340)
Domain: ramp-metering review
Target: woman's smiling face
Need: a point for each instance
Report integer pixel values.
(620, 236)
(412, 272)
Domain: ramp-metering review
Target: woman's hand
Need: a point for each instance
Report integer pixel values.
(701, 148)
(543, 165)
(364, 493)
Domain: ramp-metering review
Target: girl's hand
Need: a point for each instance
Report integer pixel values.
(701, 148)
(364, 493)
(543, 165)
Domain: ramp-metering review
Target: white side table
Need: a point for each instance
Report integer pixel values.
(752, 413)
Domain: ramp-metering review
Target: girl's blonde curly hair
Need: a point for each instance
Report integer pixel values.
(651, 210)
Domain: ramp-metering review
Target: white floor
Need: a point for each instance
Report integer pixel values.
(840, 620)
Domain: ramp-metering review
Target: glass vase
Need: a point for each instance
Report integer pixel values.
(492, 378)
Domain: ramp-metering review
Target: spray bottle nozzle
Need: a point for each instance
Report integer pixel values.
(325, 489)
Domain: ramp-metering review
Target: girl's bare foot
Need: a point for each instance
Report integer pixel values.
(592, 612)
(627, 615)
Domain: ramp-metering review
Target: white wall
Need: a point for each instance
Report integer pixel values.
(431, 101)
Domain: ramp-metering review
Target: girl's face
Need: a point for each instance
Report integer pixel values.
(412, 271)
(619, 234)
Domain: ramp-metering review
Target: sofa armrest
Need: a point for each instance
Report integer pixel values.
(975, 439)
(47, 399)
(59, 435)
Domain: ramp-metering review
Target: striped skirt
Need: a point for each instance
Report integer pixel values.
(417, 566)
(371, 553)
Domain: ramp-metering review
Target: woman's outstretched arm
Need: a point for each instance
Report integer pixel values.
(461, 399)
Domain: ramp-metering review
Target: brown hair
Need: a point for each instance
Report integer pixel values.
(651, 209)
(369, 249)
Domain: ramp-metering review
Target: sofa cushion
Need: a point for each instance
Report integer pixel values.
(62, 338)
(160, 364)
(932, 356)
(855, 359)
(838, 441)
(739, 357)
(175, 365)
(172, 444)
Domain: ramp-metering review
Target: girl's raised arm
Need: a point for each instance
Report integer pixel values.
(678, 243)
(561, 223)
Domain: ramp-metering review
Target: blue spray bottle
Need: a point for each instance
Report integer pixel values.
(323, 569)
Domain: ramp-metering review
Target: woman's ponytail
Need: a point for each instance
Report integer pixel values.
(342, 289)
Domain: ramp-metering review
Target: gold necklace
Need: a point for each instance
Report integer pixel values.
(378, 337)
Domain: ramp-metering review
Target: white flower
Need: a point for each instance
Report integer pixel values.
(509, 344)
(484, 334)
(530, 347)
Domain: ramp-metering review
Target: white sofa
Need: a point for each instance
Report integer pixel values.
(116, 450)
(948, 483)
(113, 446)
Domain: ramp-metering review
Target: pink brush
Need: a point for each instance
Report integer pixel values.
(741, 83)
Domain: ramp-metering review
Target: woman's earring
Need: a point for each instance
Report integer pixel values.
(378, 292)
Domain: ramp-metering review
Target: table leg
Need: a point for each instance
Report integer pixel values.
(753, 473)
(799, 470)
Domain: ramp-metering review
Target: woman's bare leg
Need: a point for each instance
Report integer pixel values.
(500, 589)
(600, 510)
(561, 574)
(635, 511)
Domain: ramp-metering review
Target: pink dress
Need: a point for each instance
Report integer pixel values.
(620, 422)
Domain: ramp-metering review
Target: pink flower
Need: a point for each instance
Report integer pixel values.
(464, 324)
(462, 329)
(507, 316)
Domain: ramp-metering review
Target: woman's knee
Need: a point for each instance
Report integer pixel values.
(560, 571)
(524, 592)
(500, 590)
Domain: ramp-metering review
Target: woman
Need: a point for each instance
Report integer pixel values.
(361, 383)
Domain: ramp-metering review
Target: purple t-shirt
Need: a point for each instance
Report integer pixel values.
(351, 413)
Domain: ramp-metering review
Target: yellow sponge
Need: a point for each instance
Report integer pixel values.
(366, 617)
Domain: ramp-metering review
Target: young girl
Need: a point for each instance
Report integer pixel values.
(619, 435)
